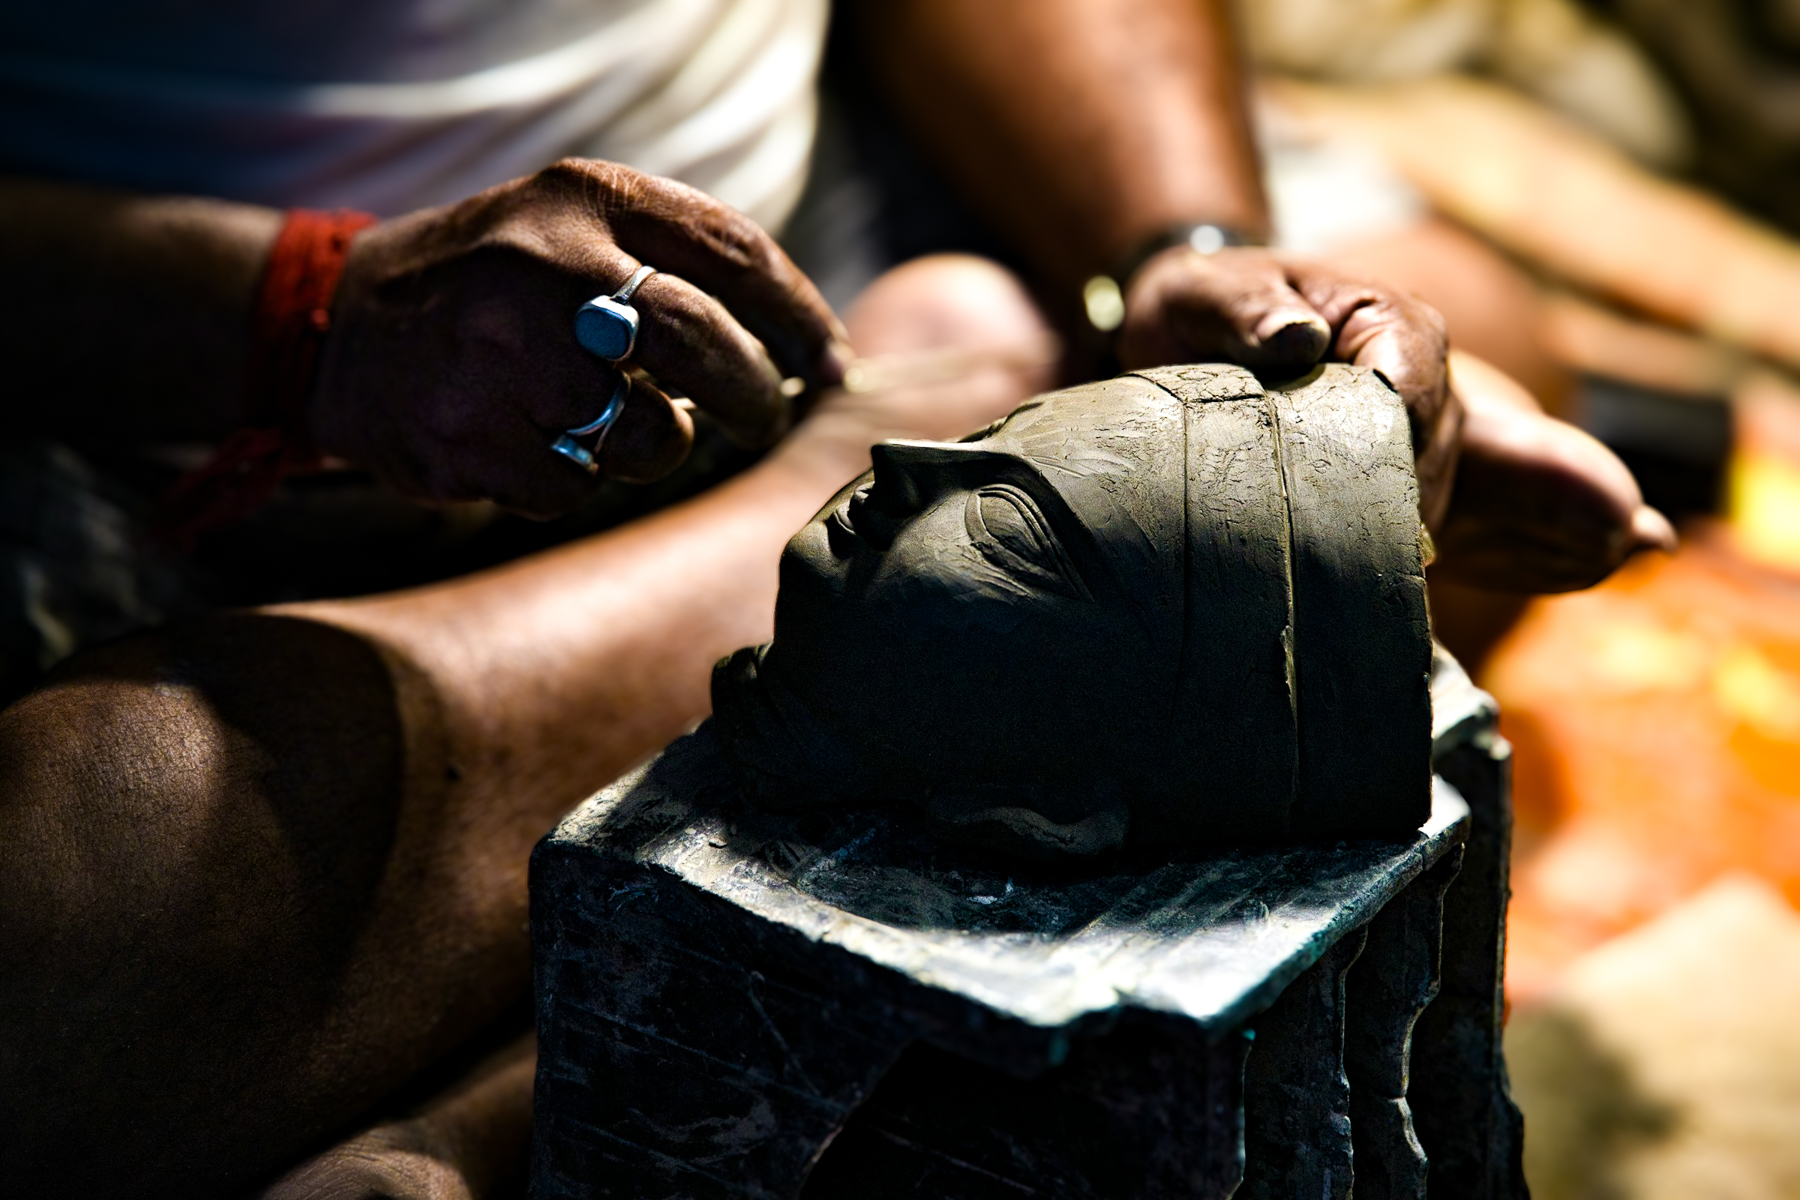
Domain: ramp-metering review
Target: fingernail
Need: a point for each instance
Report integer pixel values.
(1650, 528)
(1293, 332)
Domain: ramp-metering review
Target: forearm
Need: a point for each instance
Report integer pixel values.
(129, 314)
(560, 671)
(1078, 127)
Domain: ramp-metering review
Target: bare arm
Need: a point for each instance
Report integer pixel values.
(1085, 127)
(451, 363)
(1081, 127)
(127, 314)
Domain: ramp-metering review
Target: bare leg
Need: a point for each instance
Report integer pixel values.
(257, 871)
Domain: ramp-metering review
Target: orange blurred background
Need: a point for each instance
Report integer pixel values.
(1656, 719)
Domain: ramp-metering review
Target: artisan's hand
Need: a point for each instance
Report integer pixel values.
(452, 362)
(1284, 315)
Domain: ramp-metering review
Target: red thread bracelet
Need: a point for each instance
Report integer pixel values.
(293, 315)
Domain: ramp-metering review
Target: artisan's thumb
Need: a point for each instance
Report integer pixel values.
(1236, 306)
(1275, 329)
(1285, 338)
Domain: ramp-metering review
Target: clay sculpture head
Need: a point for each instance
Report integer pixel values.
(1173, 610)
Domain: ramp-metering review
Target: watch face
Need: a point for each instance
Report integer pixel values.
(606, 328)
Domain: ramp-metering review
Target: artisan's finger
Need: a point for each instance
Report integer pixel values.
(517, 469)
(515, 340)
(1404, 339)
(520, 471)
(651, 437)
(692, 344)
(685, 232)
(646, 440)
(1237, 305)
(575, 388)
(685, 338)
(1374, 326)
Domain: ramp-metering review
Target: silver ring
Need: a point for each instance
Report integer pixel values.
(582, 456)
(576, 453)
(607, 326)
(602, 424)
(624, 294)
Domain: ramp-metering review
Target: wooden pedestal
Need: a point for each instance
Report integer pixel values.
(733, 1003)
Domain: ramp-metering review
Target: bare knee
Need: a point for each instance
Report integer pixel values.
(193, 761)
(944, 300)
(188, 839)
(949, 302)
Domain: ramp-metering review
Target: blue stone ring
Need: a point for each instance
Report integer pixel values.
(588, 458)
(607, 326)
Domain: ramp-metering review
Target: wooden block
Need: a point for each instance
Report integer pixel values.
(721, 990)
(1394, 979)
(1297, 1138)
(1468, 1126)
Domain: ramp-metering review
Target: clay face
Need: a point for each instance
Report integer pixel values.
(959, 585)
(1044, 637)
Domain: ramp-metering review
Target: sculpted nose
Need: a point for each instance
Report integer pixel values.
(898, 489)
(877, 509)
(912, 476)
(909, 478)
(909, 474)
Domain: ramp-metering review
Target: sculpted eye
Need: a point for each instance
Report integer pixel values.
(1007, 520)
(1012, 534)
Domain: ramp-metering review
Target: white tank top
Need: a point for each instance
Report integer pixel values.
(390, 105)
